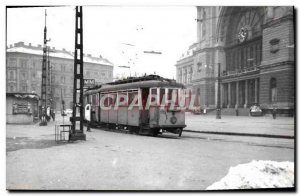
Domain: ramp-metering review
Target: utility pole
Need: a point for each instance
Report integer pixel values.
(77, 134)
(49, 75)
(218, 112)
(44, 76)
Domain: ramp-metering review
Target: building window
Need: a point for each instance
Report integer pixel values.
(11, 75)
(197, 102)
(12, 62)
(53, 66)
(24, 88)
(180, 75)
(53, 79)
(33, 64)
(185, 76)
(23, 76)
(23, 63)
(199, 65)
(203, 24)
(63, 79)
(245, 51)
(63, 67)
(273, 90)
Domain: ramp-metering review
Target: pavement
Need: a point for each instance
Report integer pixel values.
(260, 126)
(112, 161)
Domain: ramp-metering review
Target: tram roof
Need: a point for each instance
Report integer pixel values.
(136, 85)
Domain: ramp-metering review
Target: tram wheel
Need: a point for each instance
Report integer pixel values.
(180, 133)
(155, 132)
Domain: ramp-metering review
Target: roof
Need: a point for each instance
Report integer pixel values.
(23, 95)
(139, 82)
(21, 48)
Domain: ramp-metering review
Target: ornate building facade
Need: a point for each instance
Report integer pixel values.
(24, 71)
(255, 49)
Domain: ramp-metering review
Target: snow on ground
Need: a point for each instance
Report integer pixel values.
(257, 174)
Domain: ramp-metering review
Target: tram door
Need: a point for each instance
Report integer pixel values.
(145, 112)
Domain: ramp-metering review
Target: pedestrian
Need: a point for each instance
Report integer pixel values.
(274, 113)
(53, 115)
(87, 114)
(48, 114)
(236, 110)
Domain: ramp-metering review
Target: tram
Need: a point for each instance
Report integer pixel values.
(142, 105)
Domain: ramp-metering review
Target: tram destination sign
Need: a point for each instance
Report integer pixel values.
(88, 83)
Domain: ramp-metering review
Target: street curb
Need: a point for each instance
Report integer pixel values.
(243, 134)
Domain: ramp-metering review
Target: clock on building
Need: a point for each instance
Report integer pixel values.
(243, 34)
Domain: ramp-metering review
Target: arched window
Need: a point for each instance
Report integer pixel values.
(203, 24)
(198, 97)
(244, 40)
(11, 75)
(273, 90)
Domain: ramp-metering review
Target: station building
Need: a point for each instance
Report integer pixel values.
(24, 71)
(255, 49)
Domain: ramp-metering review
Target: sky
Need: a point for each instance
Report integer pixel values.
(120, 34)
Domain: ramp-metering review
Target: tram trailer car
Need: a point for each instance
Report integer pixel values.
(151, 120)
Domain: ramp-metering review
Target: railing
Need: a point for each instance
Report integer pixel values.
(240, 71)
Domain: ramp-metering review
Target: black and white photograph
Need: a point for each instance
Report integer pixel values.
(150, 98)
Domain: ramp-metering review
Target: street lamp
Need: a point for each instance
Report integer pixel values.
(218, 112)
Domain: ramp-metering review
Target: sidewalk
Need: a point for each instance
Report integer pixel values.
(264, 126)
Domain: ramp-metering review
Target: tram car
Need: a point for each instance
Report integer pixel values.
(140, 105)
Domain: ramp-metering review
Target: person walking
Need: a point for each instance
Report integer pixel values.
(53, 115)
(48, 114)
(87, 115)
(236, 110)
(274, 113)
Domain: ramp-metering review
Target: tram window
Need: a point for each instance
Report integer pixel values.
(112, 99)
(162, 95)
(105, 101)
(131, 96)
(97, 99)
(94, 99)
(153, 94)
(122, 98)
(172, 93)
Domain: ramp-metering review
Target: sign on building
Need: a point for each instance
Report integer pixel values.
(88, 83)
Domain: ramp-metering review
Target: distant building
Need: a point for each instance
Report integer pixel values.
(255, 48)
(24, 71)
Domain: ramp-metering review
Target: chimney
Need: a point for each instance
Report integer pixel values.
(53, 48)
(64, 49)
(89, 55)
(19, 44)
(29, 44)
(39, 46)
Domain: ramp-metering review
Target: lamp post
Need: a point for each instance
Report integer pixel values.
(218, 112)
